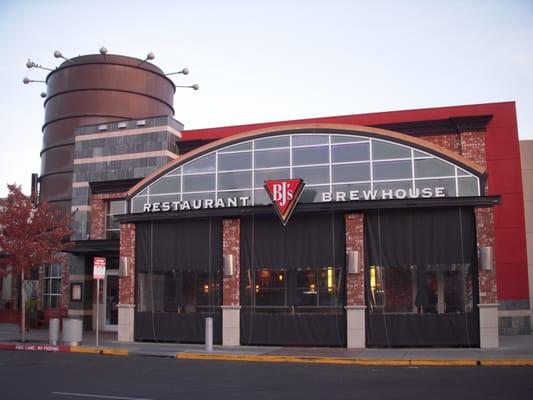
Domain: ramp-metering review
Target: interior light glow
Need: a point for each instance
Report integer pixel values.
(330, 279)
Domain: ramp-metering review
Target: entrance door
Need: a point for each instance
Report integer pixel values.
(111, 301)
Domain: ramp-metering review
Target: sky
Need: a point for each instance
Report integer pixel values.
(259, 61)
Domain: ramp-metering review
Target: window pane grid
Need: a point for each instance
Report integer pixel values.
(290, 153)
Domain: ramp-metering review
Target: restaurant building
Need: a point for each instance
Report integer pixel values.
(402, 228)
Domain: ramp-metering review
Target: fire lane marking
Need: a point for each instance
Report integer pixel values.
(98, 396)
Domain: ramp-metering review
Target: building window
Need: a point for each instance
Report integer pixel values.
(114, 207)
(178, 291)
(52, 286)
(307, 290)
(341, 163)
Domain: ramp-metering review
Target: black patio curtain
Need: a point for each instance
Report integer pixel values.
(315, 240)
(308, 241)
(408, 251)
(188, 244)
(166, 252)
(419, 237)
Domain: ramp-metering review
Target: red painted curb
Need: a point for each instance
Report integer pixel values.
(34, 347)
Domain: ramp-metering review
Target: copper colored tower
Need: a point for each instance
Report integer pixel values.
(94, 89)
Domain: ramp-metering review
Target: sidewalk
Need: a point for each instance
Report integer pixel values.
(514, 350)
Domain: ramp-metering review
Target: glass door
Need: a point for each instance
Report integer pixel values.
(111, 301)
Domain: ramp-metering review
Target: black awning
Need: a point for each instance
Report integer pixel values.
(96, 247)
(346, 206)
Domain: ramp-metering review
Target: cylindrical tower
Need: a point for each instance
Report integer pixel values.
(94, 89)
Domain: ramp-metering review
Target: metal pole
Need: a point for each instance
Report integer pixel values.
(97, 308)
(23, 301)
(209, 334)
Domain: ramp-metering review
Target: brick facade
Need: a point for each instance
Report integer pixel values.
(62, 260)
(231, 245)
(127, 260)
(485, 237)
(98, 204)
(355, 283)
(450, 141)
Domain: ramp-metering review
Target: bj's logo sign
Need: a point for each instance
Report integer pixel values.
(284, 194)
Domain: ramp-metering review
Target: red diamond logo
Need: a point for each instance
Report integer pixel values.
(284, 194)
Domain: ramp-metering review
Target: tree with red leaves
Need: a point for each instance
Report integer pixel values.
(31, 235)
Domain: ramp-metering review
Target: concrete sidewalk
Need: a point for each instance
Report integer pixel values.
(514, 350)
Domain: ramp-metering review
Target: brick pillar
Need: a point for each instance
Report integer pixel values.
(62, 259)
(231, 289)
(355, 283)
(126, 304)
(488, 305)
(98, 216)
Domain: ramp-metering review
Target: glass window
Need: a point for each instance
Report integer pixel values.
(357, 188)
(114, 207)
(137, 204)
(178, 291)
(394, 186)
(238, 147)
(310, 155)
(165, 197)
(51, 286)
(234, 180)
(236, 194)
(261, 197)
(306, 140)
(198, 196)
(432, 167)
(203, 164)
(271, 143)
(350, 152)
(418, 154)
(293, 291)
(272, 158)
(385, 151)
(347, 139)
(176, 171)
(468, 186)
(270, 174)
(170, 184)
(447, 184)
(197, 183)
(351, 172)
(234, 161)
(313, 193)
(312, 175)
(389, 170)
(420, 289)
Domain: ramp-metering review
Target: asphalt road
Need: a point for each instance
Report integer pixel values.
(33, 375)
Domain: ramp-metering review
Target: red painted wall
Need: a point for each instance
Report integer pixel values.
(503, 166)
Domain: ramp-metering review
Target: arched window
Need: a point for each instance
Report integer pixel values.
(351, 163)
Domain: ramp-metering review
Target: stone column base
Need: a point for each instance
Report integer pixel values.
(355, 326)
(231, 325)
(488, 326)
(125, 322)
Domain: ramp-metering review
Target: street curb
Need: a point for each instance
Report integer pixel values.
(354, 361)
(265, 358)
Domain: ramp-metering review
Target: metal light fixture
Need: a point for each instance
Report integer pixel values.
(352, 261)
(103, 51)
(30, 64)
(194, 87)
(149, 56)
(229, 269)
(184, 71)
(57, 54)
(486, 258)
(27, 80)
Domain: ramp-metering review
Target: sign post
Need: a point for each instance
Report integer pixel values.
(98, 275)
